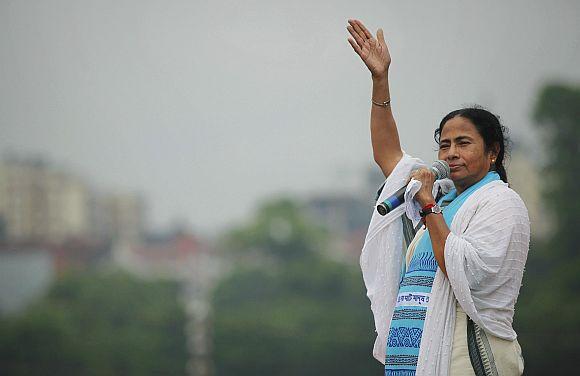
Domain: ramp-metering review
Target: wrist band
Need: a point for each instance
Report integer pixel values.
(428, 206)
(422, 213)
(381, 104)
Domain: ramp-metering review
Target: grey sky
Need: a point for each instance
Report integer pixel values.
(203, 104)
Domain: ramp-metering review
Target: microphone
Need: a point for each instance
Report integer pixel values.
(439, 168)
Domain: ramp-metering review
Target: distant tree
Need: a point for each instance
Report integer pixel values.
(299, 314)
(548, 314)
(279, 231)
(98, 324)
(3, 229)
(39, 343)
(557, 113)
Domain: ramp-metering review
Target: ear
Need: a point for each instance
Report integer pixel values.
(494, 151)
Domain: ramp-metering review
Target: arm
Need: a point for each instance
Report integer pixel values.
(384, 136)
(375, 54)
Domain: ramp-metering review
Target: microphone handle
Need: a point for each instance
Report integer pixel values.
(392, 202)
(399, 197)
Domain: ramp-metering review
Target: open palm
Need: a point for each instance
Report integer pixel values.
(373, 51)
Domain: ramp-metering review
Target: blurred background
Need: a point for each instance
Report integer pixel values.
(185, 186)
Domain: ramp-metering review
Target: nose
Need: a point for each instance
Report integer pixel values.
(452, 152)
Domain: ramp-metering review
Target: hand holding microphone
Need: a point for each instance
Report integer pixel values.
(425, 194)
(427, 176)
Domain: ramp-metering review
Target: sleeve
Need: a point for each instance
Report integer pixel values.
(485, 259)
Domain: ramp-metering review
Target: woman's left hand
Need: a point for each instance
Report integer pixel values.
(427, 178)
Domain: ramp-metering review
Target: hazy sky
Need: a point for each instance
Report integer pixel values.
(209, 107)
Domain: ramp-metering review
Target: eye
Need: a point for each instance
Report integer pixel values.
(443, 147)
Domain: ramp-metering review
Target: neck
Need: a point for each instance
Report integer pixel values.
(461, 186)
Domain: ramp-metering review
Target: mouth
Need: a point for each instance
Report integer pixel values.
(453, 167)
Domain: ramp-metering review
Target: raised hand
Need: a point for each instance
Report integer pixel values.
(373, 52)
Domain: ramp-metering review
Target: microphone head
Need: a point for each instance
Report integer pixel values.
(441, 169)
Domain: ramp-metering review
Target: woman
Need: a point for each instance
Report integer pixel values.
(449, 309)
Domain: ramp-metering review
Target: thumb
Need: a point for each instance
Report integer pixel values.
(380, 36)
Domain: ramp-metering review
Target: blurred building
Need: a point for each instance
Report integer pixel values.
(346, 215)
(341, 213)
(525, 178)
(173, 256)
(119, 216)
(41, 203)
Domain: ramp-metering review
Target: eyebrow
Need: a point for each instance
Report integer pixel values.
(457, 139)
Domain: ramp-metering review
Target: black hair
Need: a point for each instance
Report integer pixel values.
(489, 128)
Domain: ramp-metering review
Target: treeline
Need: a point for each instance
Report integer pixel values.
(98, 324)
(289, 310)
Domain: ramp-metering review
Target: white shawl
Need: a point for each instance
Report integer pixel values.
(485, 254)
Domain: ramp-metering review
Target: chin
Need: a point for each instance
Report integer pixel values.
(455, 176)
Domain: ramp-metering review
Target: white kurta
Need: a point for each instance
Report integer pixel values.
(485, 255)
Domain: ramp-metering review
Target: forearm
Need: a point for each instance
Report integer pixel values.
(438, 231)
(384, 135)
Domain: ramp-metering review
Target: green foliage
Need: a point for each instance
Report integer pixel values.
(39, 342)
(98, 324)
(299, 315)
(305, 319)
(279, 230)
(558, 113)
(548, 308)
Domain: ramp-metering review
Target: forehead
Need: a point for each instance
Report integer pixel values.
(459, 127)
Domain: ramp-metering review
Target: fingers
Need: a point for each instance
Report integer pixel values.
(380, 36)
(422, 174)
(363, 29)
(358, 35)
(358, 30)
(359, 40)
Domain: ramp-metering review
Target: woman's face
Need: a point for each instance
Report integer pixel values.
(463, 148)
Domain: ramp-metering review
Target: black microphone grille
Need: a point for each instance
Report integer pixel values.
(441, 169)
